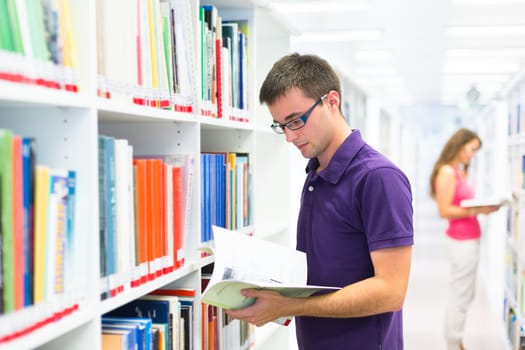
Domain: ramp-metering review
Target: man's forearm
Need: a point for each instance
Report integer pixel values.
(368, 297)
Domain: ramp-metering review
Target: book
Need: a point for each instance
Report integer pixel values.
(118, 339)
(18, 222)
(6, 175)
(42, 181)
(243, 261)
(173, 320)
(144, 340)
(56, 244)
(186, 298)
(28, 168)
(483, 202)
(157, 310)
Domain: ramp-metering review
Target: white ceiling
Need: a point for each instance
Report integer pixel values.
(414, 34)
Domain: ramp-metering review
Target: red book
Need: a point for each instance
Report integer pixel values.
(178, 257)
(156, 236)
(218, 65)
(141, 227)
(179, 292)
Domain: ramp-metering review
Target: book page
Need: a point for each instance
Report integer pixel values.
(247, 258)
(246, 262)
(482, 202)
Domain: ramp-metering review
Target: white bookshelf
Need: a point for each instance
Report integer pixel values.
(490, 172)
(66, 126)
(514, 284)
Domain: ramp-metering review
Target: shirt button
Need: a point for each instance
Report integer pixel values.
(310, 188)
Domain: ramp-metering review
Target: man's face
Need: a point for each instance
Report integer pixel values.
(308, 138)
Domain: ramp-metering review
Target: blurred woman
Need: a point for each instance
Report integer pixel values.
(449, 186)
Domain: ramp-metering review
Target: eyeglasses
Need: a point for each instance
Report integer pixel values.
(297, 123)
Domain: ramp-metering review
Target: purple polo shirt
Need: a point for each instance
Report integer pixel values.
(360, 203)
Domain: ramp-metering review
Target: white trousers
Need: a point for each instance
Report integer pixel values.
(463, 258)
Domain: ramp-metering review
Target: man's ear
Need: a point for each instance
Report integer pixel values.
(333, 100)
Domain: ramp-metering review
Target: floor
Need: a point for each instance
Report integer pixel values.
(426, 297)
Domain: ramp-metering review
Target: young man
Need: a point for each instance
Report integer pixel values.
(355, 221)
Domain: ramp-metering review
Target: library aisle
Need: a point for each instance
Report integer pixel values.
(427, 293)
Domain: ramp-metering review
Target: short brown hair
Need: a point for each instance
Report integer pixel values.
(311, 74)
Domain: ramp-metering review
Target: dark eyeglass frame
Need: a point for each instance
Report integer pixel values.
(293, 124)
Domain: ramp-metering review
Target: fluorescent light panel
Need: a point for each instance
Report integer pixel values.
(486, 2)
(474, 67)
(486, 87)
(495, 52)
(373, 55)
(485, 30)
(473, 78)
(380, 80)
(337, 36)
(318, 6)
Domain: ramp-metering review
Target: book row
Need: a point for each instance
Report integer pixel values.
(165, 320)
(144, 208)
(224, 59)
(37, 205)
(225, 192)
(36, 44)
(146, 52)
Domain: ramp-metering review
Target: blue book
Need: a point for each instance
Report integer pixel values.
(110, 205)
(28, 179)
(131, 331)
(144, 340)
(156, 310)
(242, 70)
(102, 211)
(71, 266)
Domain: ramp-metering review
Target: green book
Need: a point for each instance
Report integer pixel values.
(6, 218)
(6, 42)
(37, 26)
(166, 37)
(14, 23)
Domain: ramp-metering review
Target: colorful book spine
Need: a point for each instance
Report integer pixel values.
(6, 175)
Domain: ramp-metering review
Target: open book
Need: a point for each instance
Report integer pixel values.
(482, 202)
(243, 261)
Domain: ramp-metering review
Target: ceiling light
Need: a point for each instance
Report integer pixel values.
(486, 87)
(480, 68)
(337, 36)
(475, 78)
(373, 55)
(485, 30)
(486, 2)
(380, 80)
(495, 52)
(376, 70)
(318, 6)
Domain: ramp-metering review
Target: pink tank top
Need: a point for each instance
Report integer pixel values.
(464, 228)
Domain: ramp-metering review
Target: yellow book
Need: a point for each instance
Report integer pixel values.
(68, 50)
(233, 192)
(153, 47)
(41, 204)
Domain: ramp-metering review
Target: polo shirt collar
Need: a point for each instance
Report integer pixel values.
(341, 159)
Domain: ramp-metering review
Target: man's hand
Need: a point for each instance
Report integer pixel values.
(268, 307)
